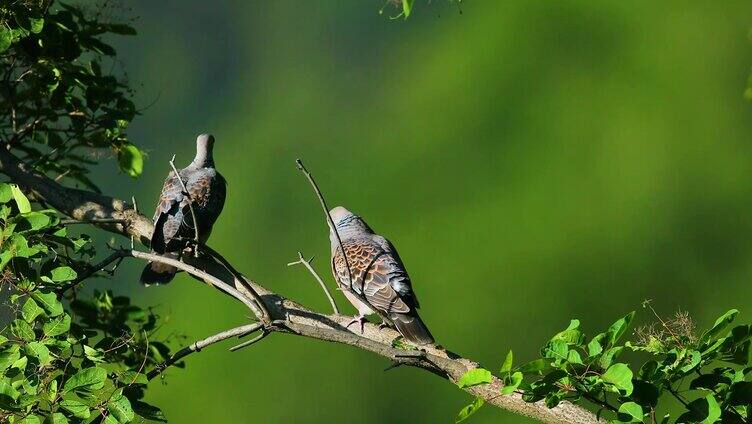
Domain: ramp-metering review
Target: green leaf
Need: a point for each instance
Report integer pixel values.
(131, 160)
(511, 383)
(132, 377)
(6, 193)
(120, 407)
(620, 376)
(719, 325)
(704, 410)
(39, 351)
(92, 378)
(63, 273)
(149, 412)
(7, 389)
(30, 310)
(30, 419)
(407, 7)
(617, 329)
(48, 302)
(56, 418)
(22, 330)
(630, 412)
(537, 365)
(21, 200)
(37, 25)
(6, 38)
(57, 326)
(8, 356)
(507, 365)
(595, 346)
(32, 221)
(572, 335)
(77, 408)
(475, 377)
(469, 410)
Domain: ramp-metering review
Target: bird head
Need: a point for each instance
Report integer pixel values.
(347, 224)
(204, 149)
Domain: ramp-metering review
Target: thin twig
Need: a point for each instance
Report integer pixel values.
(190, 199)
(208, 278)
(265, 316)
(309, 267)
(200, 344)
(329, 219)
(118, 254)
(254, 340)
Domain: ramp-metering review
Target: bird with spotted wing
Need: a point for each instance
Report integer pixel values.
(173, 222)
(376, 281)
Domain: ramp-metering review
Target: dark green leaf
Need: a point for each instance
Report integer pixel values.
(8, 356)
(721, 323)
(537, 365)
(511, 383)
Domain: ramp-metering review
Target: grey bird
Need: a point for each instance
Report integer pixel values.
(379, 283)
(173, 223)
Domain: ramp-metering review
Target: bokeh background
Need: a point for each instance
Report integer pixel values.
(533, 161)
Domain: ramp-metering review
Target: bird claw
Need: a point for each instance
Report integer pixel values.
(359, 319)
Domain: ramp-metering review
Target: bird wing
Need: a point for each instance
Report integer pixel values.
(385, 284)
(376, 274)
(168, 213)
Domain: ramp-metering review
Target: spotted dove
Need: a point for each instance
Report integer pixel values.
(377, 280)
(173, 223)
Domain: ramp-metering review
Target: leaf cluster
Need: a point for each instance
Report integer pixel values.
(63, 105)
(66, 358)
(708, 375)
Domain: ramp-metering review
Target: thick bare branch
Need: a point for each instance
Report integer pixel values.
(287, 316)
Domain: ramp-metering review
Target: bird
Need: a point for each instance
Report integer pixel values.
(376, 281)
(173, 222)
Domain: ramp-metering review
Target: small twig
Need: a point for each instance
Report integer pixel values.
(307, 264)
(190, 199)
(117, 255)
(265, 316)
(329, 219)
(200, 344)
(254, 340)
(208, 278)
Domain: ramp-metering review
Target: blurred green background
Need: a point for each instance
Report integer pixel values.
(533, 161)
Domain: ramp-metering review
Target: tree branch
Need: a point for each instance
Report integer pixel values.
(241, 331)
(287, 316)
(307, 264)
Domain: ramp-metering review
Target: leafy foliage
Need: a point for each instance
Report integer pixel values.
(59, 109)
(67, 359)
(708, 375)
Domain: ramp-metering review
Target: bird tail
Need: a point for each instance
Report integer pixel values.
(412, 328)
(158, 273)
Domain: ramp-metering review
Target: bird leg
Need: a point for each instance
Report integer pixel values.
(359, 319)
